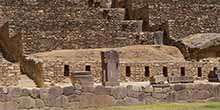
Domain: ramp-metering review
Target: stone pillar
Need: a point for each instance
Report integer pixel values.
(110, 74)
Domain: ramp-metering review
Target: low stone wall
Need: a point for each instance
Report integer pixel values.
(54, 70)
(76, 97)
(9, 73)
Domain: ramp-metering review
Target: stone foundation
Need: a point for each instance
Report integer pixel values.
(75, 97)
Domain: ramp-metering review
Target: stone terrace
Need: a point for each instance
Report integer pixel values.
(80, 24)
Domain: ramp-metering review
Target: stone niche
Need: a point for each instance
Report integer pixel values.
(110, 73)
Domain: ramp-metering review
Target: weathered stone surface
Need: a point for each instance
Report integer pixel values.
(10, 106)
(14, 92)
(61, 101)
(202, 94)
(133, 94)
(215, 91)
(184, 95)
(25, 92)
(4, 98)
(159, 95)
(104, 100)
(87, 100)
(102, 90)
(39, 103)
(179, 87)
(128, 101)
(213, 99)
(35, 93)
(68, 90)
(55, 91)
(119, 93)
(74, 98)
(148, 89)
(26, 103)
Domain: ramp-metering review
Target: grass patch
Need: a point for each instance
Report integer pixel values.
(168, 106)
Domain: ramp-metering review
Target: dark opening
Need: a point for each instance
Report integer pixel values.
(66, 70)
(128, 71)
(97, 4)
(183, 72)
(199, 72)
(88, 68)
(90, 2)
(165, 71)
(106, 72)
(215, 69)
(147, 71)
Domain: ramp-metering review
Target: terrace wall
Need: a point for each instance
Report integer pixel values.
(77, 97)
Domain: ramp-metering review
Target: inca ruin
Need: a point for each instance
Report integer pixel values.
(69, 54)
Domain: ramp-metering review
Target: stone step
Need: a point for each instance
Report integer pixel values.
(79, 25)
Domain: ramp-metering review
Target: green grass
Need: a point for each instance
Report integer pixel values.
(168, 106)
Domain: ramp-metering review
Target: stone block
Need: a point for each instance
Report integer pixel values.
(102, 90)
(179, 87)
(148, 89)
(180, 79)
(35, 93)
(183, 95)
(67, 91)
(61, 101)
(119, 92)
(26, 92)
(26, 103)
(10, 106)
(201, 95)
(14, 92)
(39, 103)
(87, 100)
(55, 91)
(104, 100)
(128, 101)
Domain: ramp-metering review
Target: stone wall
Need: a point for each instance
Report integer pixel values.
(33, 68)
(9, 73)
(70, 24)
(76, 97)
(54, 70)
(77, 40)
(179, 18)
(185, 17)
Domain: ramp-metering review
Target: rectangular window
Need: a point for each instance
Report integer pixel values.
(88, 68)
(165, 71)
(66, 70)
(147, 71)
(182, 71)
(128, 71)
(199, 72)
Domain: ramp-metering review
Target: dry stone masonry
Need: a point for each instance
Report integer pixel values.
(67, 48)
(75, 97)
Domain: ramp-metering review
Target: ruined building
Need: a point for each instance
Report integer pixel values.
(44, 42)
(30, 27)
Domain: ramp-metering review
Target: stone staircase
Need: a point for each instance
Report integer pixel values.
(72, 24)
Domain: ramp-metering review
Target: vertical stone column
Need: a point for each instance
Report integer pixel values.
(110, 74)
